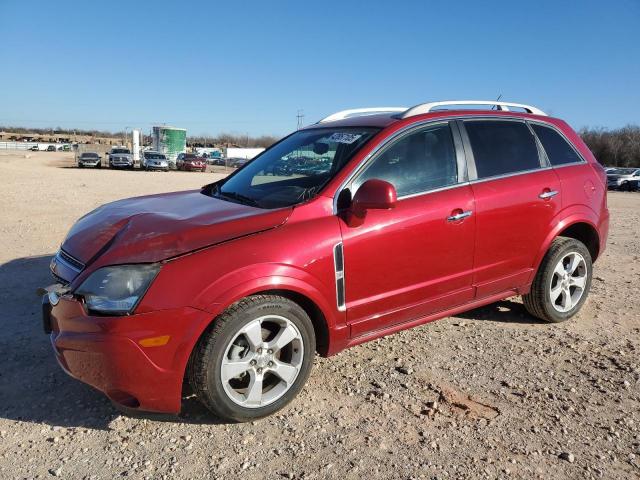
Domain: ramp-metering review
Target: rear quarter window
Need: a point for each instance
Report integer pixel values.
(502, 147)
(558, 150)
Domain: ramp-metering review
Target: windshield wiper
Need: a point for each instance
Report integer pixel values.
(238, 197)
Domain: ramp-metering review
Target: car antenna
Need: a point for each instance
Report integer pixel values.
(497, 100)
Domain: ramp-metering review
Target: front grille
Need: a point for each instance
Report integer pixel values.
(59, 279)
(75, 263)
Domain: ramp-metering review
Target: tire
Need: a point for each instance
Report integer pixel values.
(267, 318)
(555, 294)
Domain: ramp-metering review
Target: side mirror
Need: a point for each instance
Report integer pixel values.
(374, 194)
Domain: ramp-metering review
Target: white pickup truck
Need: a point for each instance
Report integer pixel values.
(120, 157)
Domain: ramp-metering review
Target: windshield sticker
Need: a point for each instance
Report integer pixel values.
(347, 138)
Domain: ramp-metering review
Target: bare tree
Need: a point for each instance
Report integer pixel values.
(617, 148)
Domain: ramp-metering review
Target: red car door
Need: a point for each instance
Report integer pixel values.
(409, 261)
(517, 196)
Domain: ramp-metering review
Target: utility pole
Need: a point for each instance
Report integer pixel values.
(300, 118)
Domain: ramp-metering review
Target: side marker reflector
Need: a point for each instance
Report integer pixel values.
(155, 341)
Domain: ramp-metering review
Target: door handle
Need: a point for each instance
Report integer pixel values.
(459, 216)
(548, 194)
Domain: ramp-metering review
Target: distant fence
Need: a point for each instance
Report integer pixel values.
(28, 145)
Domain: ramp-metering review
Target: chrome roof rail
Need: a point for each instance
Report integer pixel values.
(359, 112)
(505, 106)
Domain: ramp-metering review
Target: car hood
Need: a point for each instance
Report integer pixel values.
(157, 227)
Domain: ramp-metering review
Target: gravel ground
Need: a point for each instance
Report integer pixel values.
(488, 394)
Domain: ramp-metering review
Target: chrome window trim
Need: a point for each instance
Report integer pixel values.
(507, 175)
(542, 154)
(421, 123)
(542, 159)
(364, 163)
(572, 164)
(435, 190)
(564, 137)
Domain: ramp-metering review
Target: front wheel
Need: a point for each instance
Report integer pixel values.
(254, 359)
(562, 282)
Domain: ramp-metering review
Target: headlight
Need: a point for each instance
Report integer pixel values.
(117, 289)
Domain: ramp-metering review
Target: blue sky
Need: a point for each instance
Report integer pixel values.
(247, 67)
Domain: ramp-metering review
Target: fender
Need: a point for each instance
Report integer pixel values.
(565, 218)
(231, 287)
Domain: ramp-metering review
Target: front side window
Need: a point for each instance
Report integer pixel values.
(502, 147)
(421, 161)
(556, 147)
(295, 169)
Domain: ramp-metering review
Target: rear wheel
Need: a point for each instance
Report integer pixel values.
(562, 282)
(254, 359)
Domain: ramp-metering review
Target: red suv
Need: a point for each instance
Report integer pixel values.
(190, 162)
(404, 216)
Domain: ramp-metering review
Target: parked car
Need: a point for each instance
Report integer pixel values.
(634, 185)
(218, 161)
(154, 161)
(621, 178)
(191, 162)
(233, 288)
(34, 148)
(237, 162)
(51, 148)
(89, 159)
(281, 167)
(120, 157)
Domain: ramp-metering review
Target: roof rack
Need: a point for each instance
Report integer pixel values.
(359, 112)
(505, 106)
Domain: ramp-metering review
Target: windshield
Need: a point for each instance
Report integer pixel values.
(120, 150)
(154, 156)
(295, 169)
(89, 155)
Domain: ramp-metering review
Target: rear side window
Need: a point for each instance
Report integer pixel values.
(557, 148)
(421, 161)
(502, 147)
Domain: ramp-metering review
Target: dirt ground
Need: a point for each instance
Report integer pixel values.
(492, 393)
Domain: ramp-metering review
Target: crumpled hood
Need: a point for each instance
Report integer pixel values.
(157, 227)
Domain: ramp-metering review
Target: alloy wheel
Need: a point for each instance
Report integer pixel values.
(262, 361)
(568, 282)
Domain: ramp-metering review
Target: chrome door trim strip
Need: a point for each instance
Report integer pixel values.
(338, 267)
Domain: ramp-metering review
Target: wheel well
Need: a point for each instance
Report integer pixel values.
(314, 312)
(586, 234)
